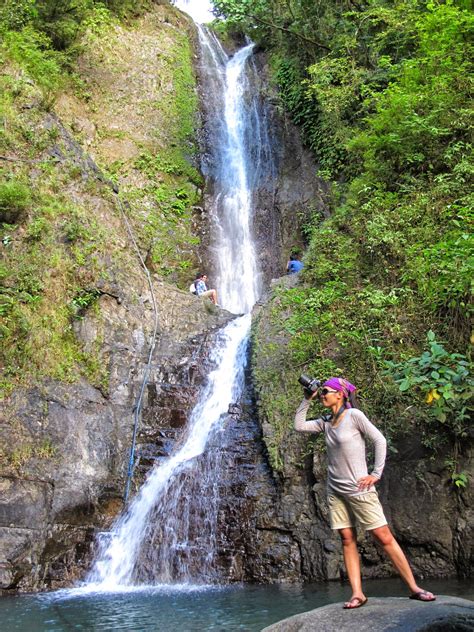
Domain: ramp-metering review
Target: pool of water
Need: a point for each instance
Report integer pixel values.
(187, 608)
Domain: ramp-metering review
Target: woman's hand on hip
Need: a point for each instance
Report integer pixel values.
(366, 482)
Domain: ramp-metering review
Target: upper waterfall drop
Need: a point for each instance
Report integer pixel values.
(236, 260)
(230, 206)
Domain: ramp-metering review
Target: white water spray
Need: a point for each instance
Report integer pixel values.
(116, 566)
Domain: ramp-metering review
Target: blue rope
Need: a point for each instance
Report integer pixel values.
(138, 405)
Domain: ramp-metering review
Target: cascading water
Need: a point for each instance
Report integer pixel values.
(234, 250)
(170, 497)
(169, 533)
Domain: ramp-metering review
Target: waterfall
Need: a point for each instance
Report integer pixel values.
(169, 532)
(230, 206)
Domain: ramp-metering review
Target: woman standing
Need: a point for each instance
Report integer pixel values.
(351, 493)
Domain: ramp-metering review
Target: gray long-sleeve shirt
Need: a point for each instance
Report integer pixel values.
(346, 448)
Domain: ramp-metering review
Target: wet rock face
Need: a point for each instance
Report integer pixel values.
(253, 544)
(257, 541)
(289, 190)
(53, 502)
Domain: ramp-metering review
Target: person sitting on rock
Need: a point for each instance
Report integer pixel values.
(201, 288)
(294, 265)
(352, 496)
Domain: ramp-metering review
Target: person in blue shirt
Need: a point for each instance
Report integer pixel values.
(294, 265)
(201, 288)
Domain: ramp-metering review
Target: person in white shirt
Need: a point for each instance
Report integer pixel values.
(201, 288)
(351, 489)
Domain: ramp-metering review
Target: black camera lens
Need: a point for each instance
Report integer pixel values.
(310, 384)
(305, 381)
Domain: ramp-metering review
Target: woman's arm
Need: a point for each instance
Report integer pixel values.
(380, 444)
(307, 425)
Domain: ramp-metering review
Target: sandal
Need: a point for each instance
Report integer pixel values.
(360, 603)
(423, 595)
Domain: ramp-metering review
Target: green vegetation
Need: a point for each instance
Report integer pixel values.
(173, 182)
(381, 94)
(44, 38)
(61, 235)
(24, 452)
(15, 198)
(445, 382)
(51, 259)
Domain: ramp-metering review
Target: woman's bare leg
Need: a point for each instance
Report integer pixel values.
(391, 547)
(352, 563)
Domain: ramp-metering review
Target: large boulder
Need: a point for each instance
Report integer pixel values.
(446, 614)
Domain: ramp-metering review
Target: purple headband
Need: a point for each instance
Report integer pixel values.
(340, 384)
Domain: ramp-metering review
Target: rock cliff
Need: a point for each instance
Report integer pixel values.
(53, 504)
(67, 424)
(78, 343)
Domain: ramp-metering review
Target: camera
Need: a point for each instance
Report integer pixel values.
(309, 384)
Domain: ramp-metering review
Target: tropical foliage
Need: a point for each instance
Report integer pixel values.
(44, 36)
(381, 92)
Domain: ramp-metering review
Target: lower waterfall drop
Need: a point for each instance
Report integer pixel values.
(172, 490)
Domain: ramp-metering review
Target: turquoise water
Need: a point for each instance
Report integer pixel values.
(248, 608)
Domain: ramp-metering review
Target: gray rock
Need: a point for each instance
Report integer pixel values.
(446, 614)
(70, 481)
(23, 502)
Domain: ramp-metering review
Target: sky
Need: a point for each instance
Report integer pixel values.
(199, 10)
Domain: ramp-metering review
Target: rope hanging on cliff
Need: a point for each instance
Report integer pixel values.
(138, 404)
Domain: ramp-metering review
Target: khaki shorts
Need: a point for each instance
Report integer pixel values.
(346, 511)
(207, 293)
